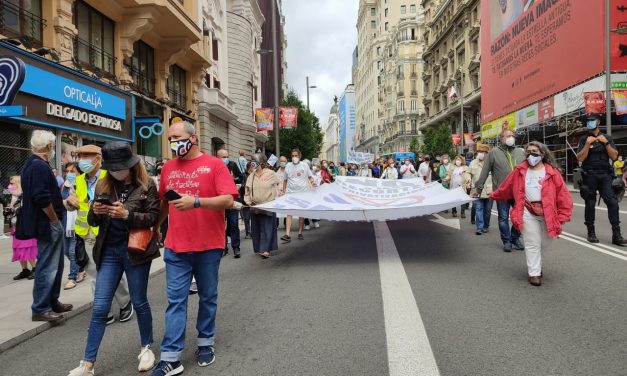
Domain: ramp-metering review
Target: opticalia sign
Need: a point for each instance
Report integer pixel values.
(532, 49)
(69, 113)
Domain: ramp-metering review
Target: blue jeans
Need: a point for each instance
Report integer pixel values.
(49, 274)
(69, 248)
(507, 235)
(179, 269)
(232, 227)
(483, 207)
(113, 263)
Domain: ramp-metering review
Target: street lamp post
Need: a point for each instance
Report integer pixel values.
(608, 73)
(461, 111)
(275, 69)
(308, 87)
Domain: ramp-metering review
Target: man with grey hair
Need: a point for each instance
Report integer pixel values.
(42, 217)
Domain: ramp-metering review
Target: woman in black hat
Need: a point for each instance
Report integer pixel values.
(126, 202)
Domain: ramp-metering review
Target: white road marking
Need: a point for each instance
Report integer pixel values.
(605, 249)
(409, 350)
(452, 222)
(598, 208)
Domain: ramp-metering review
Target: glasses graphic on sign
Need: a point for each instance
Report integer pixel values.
(149, 130)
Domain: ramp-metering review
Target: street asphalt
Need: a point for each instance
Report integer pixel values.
(316, 308)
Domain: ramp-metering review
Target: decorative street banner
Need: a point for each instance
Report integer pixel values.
(620, 101)
(546, 109)
(359, 157)
(519, 37)
(264, 117)
(594, 102)
(527, 116)
(288, 117)
(618, 38)
(368, 199)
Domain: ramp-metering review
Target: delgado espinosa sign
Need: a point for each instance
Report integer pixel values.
(84, 117)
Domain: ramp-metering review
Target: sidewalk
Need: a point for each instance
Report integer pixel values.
(16, 297)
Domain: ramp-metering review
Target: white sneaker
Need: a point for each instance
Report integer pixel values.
(146, 359)
(307, 228)
(81, 370)
(316, 224)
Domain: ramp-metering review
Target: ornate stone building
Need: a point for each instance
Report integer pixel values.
(452, 58)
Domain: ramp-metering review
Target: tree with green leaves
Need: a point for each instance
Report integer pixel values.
(438, 141)
(307, 136)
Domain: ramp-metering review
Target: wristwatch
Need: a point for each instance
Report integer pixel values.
(196, 202)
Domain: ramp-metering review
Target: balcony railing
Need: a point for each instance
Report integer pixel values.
(93, 57)
(16, 21)
(142, 83)
(177, 98)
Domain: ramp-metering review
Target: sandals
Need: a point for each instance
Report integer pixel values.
(264, 255)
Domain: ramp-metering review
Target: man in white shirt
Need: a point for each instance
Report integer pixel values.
(424, 171)
(408, 170)
(298, 178)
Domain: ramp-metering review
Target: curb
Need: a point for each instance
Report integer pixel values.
(46, 325)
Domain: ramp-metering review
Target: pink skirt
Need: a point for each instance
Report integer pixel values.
(24, 250)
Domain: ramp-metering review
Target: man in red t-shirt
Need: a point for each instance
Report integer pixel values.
(194, 242)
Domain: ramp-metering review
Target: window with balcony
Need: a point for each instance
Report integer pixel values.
(176, 86)
(412, 9)
(93, 46)
(403, 9)
(400, 106)
(141, 67)
(461, 57)
(22, 18)
(373, 12)
(414, 126)
(373, 24)
(401, 126)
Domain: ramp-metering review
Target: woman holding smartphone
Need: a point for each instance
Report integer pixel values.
(126, 199)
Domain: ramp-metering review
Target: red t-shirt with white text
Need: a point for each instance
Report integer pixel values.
(200, 229)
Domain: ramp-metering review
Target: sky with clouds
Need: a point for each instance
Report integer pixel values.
(321, 37)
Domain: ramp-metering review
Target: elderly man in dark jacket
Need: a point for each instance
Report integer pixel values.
(41, 217)
(232, 215)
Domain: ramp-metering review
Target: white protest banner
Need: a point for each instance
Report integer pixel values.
(368, 199)
(359, 157)
(272, 160)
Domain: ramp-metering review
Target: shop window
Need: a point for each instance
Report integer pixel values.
(177, 86)
(22, 18)
(93, 46)
(14, 149)
(141, 67)
(148, 143)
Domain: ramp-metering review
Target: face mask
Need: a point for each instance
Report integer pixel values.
(86, 165)
(406, 163)
(481, 156)
(12, 188)
(458, 163)
(591, 124)
(295, 160)
(445, 161)
(181, 147)
(510, 141)
(316, 169)
(282, 164)
(534, 159)
(325, 165)
(71, 178)
(254, 165)
(120, 175)
(226, 161)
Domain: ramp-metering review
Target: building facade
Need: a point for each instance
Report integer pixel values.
(331, 144)
(452, 60)
(347, 122)
(155, 54)
(387, 77)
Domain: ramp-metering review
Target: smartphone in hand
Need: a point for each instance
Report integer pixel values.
(103, 200)
(172, 195)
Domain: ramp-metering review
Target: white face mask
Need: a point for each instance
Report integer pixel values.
(295, 160)
(120, 175)
(481, 156)
(458, 163)
(407, 163)
(510, 141)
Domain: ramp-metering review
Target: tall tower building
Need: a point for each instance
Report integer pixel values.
(387, 84)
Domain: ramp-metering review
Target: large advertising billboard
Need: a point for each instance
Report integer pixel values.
(347, 124)
(532, 49)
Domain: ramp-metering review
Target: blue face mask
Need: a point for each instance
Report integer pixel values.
(282, 164)
(86, 165)
(591, 124)
(71, 178)
(226, 161)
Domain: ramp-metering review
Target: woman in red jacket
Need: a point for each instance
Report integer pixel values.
(542, 203)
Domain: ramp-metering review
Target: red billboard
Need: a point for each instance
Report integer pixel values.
(618, 39)
(532, 49)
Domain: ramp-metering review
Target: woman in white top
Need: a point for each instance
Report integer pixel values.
(458, 176)
(390, 171)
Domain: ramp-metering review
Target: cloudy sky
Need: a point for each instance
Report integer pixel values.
(321, 37)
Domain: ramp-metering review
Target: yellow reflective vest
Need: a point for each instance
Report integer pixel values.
(82, 227)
